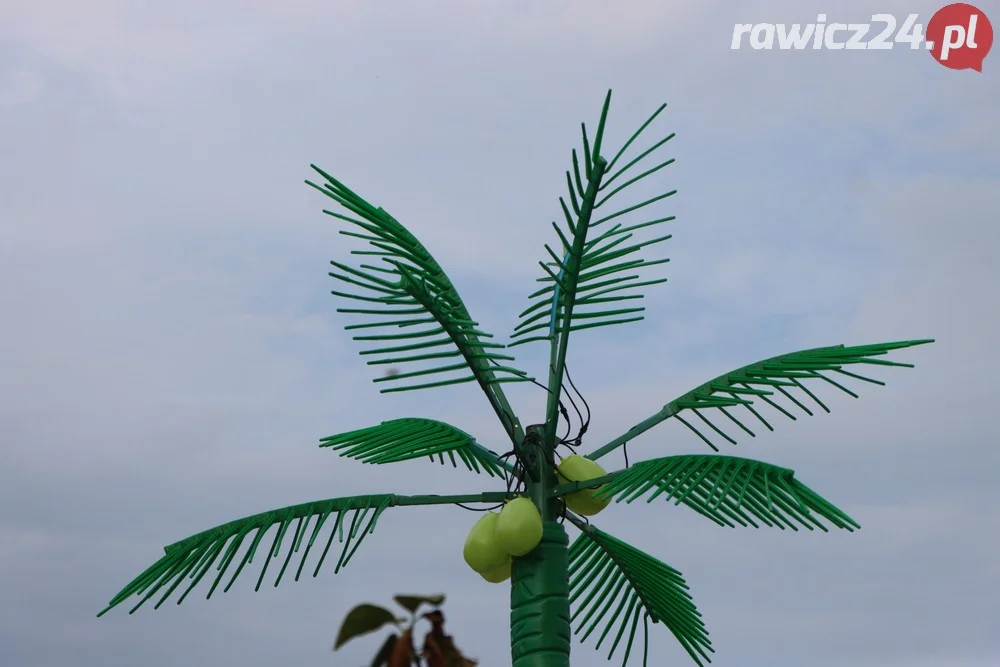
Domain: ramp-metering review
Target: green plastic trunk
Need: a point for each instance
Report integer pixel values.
(539, 603)
(539, 593)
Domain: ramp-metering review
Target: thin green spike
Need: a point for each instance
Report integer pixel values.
(697, 432)
(427, 371)
(606, 323)
(838, 386)
(562, 238)
(632, 181)
(570, 224)
(784, 392)
(714, 427)
(577, 179)
(573, 200)
(292, 549)
(437, 331)
(406, 348)
(176, 581)
(775, 405)
(598, 273)
(554, 277)
(418, 357)
(441, 383)
(635, 136)
(737, 422)
(860, 377)
(358, 283)
(595, 259)
(589, 301)
(556, 260)
(599, 136)
(386, 300)
(617, 285)
(635, 207)
(247, 557)
(638, 159)
(390, 323)
(608, 313)
(591, 254)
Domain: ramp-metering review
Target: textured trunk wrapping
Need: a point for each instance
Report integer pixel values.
(539, 603)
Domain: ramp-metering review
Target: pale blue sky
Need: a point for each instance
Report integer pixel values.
(170, 354)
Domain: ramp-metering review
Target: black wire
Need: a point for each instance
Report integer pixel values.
(515, 479)
(511, 476)
(575, 441)
(534, 382)
(568, 444)
(569, 424)
(585, 422)
(562, 407)
(564, 412)
(479, 509)
(625, 452)
(572, 402)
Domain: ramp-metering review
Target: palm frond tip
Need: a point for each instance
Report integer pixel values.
(586, 275)
(412, 438)
(728, 490)
(613, 584)
(192, 558)
(758, 384)
(784, 375)
(407, 290)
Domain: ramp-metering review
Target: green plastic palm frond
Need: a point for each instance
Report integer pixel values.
(412, 438)
(742, 388)
(408, 291)
(188, 561)
(728, 490)
(592, 280)
(613, 584)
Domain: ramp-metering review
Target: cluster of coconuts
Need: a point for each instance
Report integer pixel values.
(499, 537)
(578, 468)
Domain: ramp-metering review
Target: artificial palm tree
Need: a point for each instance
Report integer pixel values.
(590, 280)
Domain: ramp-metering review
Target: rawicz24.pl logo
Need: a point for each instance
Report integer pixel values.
(958, 35)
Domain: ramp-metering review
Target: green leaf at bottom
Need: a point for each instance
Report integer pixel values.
(412, 602)
(362, 620)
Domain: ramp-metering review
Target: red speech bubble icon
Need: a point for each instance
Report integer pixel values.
(959, 36)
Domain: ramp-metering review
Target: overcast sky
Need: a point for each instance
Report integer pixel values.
(170, 354)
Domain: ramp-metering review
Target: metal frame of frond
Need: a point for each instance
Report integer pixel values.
(592, 279)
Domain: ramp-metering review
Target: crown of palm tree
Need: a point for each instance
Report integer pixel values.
(591, 279)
